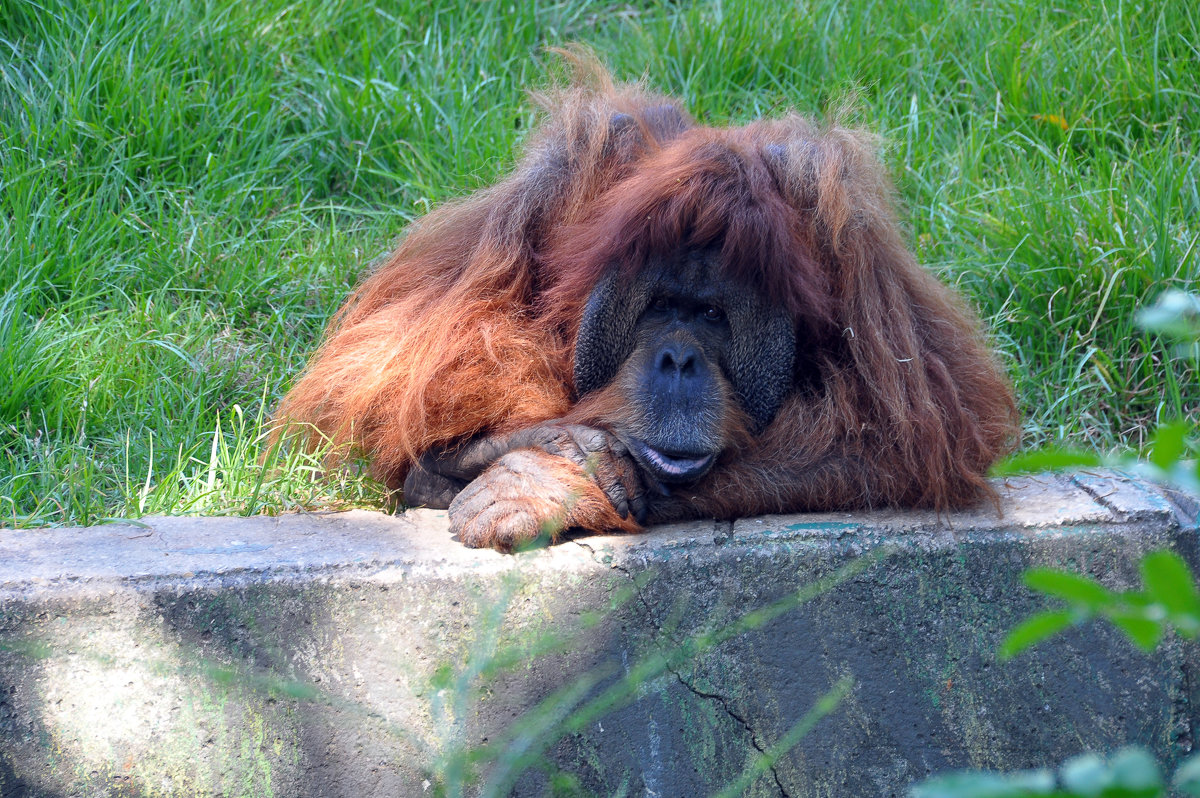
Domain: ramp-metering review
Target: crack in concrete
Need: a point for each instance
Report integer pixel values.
(1180, 506)
(637, 589)
(720, 699)
(1101, 499)
(660, 633)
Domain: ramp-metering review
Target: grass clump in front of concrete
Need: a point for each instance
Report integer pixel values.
(187, 191)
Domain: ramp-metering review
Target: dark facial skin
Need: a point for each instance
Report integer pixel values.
(675, 381)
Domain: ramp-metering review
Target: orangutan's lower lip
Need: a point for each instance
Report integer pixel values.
(671, 467)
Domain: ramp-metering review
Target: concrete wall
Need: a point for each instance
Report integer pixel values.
(359, 654)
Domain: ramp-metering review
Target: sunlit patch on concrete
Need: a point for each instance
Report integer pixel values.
(111, 698)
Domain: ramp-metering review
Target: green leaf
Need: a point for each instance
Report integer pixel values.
(1170, 444)
(1048, 459)
(1033, 631)
(1135, 771)
(1187, 777)
(1144, 632)
(1071, 587)
(1170, 582)
(987, 785)
(1175, 313)
(1085, 775)
(1131, 773)
(1184, 475)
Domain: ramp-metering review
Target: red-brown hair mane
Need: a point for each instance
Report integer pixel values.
(468, 327)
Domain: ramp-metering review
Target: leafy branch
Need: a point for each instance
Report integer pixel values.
(1168, 598)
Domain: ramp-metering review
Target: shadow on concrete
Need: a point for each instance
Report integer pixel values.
(364, 677)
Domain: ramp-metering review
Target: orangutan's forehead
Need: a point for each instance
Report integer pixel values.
(684, 271)
(701, 275)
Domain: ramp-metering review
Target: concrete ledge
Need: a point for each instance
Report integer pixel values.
(358, 654)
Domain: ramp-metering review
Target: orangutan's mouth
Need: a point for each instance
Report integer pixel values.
(672, 467)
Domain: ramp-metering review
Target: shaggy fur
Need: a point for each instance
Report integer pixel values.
(468, 328)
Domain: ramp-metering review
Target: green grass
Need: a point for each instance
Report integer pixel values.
(188, 190)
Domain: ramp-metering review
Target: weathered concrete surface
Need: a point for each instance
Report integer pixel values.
(357, 654)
